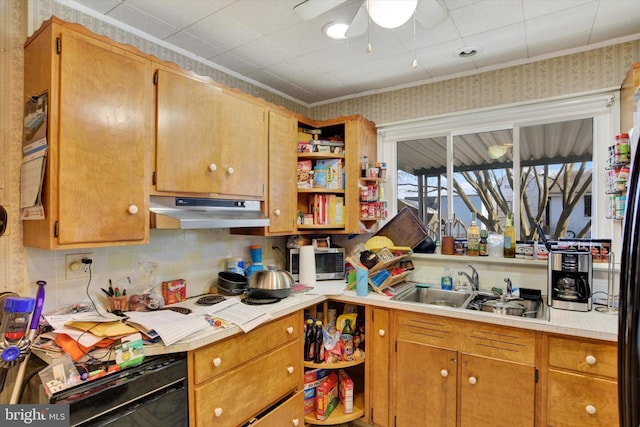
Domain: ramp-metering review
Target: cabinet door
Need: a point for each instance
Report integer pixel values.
(425, 385)
(103, 128)
(379, 363)
(281, 204)
(495, 392)
(243, 138)
(187, 143)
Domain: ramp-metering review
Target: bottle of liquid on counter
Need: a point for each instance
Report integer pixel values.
(309, 341)
(346, 336)
(473, 237)
(318, 343)
(446, 281)
(483, 245)
(509, 238)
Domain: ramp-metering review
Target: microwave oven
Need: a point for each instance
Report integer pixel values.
(329, 263)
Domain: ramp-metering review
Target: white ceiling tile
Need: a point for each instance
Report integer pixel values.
(556, 26)
(487, 15)
(234, 63)
(535, 9)
(180, 13)
(142, 21)
(262, 53)
(223, 31)
(193, 44)
(543, 47)
(102, 6)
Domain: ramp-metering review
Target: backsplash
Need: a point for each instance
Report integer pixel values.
(194, 255)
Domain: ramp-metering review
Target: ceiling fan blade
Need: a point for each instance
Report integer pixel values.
(309, 9)
(430, 13)
(359, 22)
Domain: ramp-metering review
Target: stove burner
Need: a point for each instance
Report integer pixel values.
(181, 310)
(210, 299)
(260, 301)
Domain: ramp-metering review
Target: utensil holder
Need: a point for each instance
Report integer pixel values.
(119, 303)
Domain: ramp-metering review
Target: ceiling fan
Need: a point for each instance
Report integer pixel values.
(385, 13)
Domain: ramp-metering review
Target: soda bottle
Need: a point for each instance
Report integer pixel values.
(309, 339)
(319, 343)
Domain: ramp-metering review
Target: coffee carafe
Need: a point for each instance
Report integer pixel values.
(569, 280)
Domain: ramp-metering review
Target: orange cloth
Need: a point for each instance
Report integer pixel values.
(76, 350)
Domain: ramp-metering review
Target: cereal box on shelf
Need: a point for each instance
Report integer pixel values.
(327, 396)
(312, 379)
(345, 385)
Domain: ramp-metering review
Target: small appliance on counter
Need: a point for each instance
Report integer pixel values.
(570, 276)
(329, 263)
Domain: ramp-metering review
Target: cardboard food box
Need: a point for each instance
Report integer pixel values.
(327, 396)
(312, 379)
(345, 385)
(333, 174)
(174, 291)
(305, 174)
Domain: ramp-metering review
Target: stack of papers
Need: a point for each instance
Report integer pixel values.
(169, 325)
(245, 316)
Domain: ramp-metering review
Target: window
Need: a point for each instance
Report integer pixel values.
(539, 165)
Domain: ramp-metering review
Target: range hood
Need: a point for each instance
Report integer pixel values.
(194, 213)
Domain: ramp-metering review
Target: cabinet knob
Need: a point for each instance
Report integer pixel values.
(290, 369)
(444, 373)
(381, 332)
(213, 167)
(591, 360)
(133, 209)
(217, 362)
(230, 170)
(295, 421)
(473, 380)
(217, 412)
(591, 410)
(290, 330)
(277, 212)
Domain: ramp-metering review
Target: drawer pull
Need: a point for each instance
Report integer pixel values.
(591, 360)
(591, 410)
(290, 330)
(230, 170)
(213, 167)
(381, 332)
(217, 362)
(277, 212)
(444, 373)
(217, 412)
(133, 209)
(290, 369)
(295, 421)
(473, 380)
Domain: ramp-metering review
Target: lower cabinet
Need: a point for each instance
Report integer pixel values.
(447, 372)
(582, 382)
(257, 374)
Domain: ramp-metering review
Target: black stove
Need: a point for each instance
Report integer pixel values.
(260, 301)
(210, 299)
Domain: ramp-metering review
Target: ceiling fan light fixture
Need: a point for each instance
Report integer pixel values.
(391, 13)
(336, 30)
(497, 151)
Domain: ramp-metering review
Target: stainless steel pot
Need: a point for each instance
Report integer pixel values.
(270, 283)
(510, 308)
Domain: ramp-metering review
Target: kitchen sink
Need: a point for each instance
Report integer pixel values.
(426, 295)
(472, 300)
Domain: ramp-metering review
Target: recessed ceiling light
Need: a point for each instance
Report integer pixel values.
(336, 30)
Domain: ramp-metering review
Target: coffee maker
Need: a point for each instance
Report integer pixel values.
(569, 279)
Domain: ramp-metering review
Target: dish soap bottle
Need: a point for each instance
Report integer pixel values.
(446, 281)
(473, 237)
(483, 245)
(509, 238)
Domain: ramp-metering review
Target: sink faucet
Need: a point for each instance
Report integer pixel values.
(509, 286)
(474, 280)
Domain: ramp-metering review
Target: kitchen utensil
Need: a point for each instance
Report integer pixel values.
(232, 283)
(500, 306)
(270, 283)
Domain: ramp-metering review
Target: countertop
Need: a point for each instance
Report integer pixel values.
(592, 324)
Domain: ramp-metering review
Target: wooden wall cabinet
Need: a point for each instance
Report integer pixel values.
(461, 365)
(210, 141)
(99, 121)
(257, 374)
(359, 137)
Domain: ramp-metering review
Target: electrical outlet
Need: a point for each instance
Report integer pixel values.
(74, 268)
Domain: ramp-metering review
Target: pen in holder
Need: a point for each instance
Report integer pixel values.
(120, 303)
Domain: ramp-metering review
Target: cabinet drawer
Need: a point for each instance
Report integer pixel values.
(424, 329)
(222, 356)
(235, 397)
(289, 413)
(513, 344)
(591, 357)
(572, 396)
